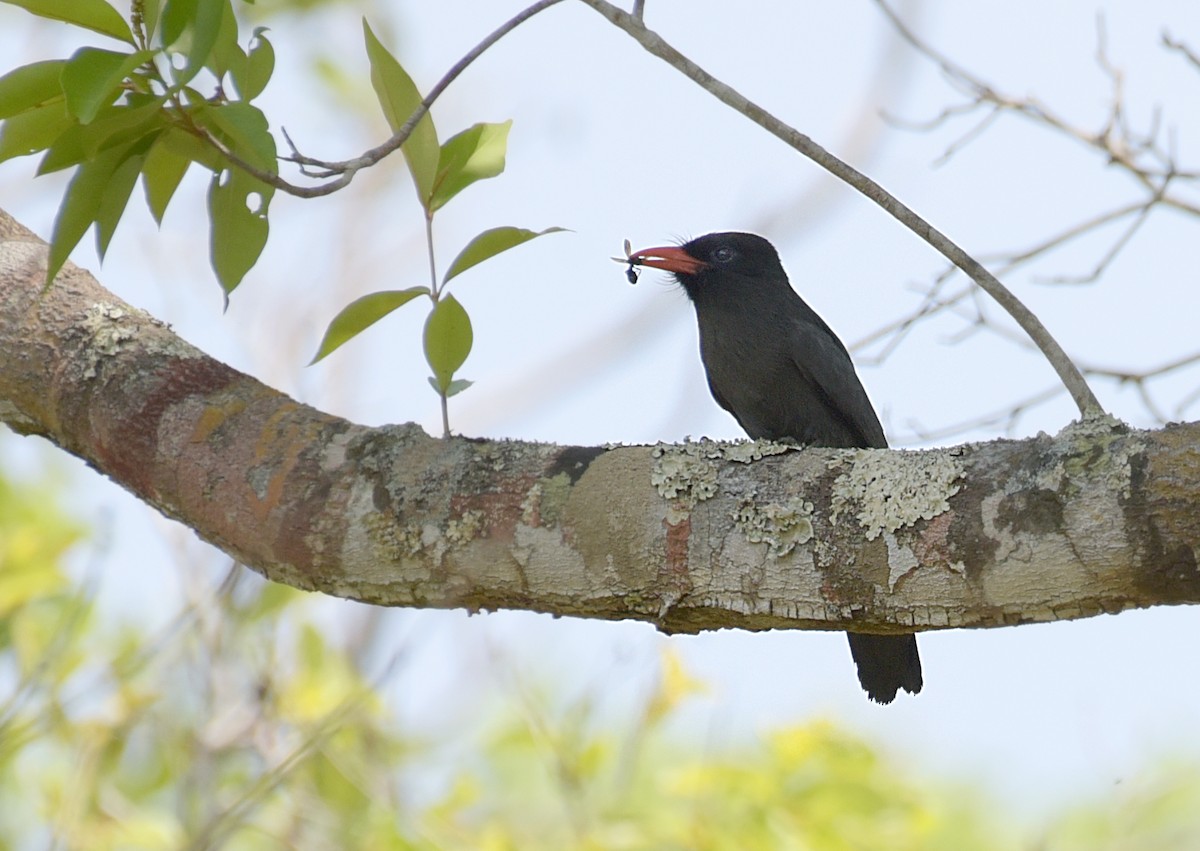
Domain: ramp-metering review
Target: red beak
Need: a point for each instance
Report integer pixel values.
(671, 258)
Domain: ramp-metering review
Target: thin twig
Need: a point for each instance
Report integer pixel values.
(1113, 250)
(1179, 47)
(1086, 401)
(1115, 140)
(346, 169)
(1009, 416)
(1061, 238)
(967, 138)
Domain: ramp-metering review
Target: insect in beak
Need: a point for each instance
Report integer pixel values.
(631, 274)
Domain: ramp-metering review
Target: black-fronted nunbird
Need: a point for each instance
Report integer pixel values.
(776, 366)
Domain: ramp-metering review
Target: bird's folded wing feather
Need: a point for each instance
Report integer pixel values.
(824, 363)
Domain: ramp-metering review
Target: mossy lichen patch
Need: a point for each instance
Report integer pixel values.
(746, 451)
(890, 490)
(464, 529)
(781, 526)
(688, 471)
(531, 514)
(103, 322)
(1102, 446)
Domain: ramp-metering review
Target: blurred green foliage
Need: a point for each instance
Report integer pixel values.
(239, 724)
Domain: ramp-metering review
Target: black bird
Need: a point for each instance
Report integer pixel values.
(776, 366)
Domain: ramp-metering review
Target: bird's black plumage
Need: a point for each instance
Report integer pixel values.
(776, 366)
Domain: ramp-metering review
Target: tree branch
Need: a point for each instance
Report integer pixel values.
(692, 537)
(347, 169)
(1075, 383)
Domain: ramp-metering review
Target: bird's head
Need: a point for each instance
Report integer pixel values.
(716, 260)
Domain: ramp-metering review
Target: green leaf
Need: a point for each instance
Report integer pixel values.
(474, 154)
(206, 27)
(113, 126)
(455, 387)
(361, 314)
(151, 9)
(162, 172)
(176, 16)
(116, 197)
(226, 54)
(92, 79)
(237, 208)
(81, 205)
(260, 64)
(34, 129)
(95, 15)
(447, 340)
(398, 96)
(194, 26)
(30, 86)
(191, 147)
(244, 128)
(489, 244)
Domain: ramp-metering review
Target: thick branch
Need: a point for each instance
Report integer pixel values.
(692, 537)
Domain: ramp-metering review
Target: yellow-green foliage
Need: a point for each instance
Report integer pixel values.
(242, 725)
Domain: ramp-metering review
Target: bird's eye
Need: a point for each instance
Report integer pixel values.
(724, 254)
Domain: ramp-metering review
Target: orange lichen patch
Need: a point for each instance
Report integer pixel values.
(214, 417)
(128, 420)
(274, 428)
(283, 440)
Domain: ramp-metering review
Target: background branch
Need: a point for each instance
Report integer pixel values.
(1141, 155)
(1075, 383)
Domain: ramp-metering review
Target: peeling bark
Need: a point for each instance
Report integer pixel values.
(696, 536)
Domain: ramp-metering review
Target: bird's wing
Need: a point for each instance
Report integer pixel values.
(716, 394)
(825, 364)
(747, 425)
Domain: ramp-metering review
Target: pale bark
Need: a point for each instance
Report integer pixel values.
(697, 536)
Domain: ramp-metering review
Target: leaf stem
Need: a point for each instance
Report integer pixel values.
(434, 295)
(434, 291)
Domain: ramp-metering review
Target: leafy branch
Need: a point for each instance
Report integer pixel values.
(439, 173)
(116, 116)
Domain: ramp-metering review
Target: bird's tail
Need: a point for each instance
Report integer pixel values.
(886, 663)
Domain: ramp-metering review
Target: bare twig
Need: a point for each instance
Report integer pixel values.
(1119, 144)
(1086, 401)
(1115, 140)
(1113, 250)
(1186, 402)
(1148, 156)
(1008, 416)
(968, 137)
(347, 169)
(1179, 47)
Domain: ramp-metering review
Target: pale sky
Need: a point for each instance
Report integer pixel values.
(613, 144)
